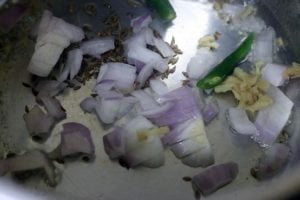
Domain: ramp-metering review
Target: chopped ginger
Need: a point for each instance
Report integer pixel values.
(144, 135)
(248, 89)
(208, 41)
(292, 72)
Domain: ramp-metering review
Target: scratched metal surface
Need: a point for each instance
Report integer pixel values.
(106, 180)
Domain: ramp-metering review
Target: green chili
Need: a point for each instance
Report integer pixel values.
(163, 8)
(226, 67)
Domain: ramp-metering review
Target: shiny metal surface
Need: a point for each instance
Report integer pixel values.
(106, 180)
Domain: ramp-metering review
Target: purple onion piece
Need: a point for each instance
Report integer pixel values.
(210, 112)
(88, 104)
(11, 16)
(30, 161)
(114, 143)
(186, 107)
(49, 88)
(77, 140)
(39, 124)
(215, 177)
(140, 22)
(271, 162)
(53, 107)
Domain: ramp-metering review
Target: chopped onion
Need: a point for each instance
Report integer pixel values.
(263, 47)
(88, 104)
(38, 123)
(272, 120)
(114, 143)
(186, 107)
(49, 88)
(144, 74)
(96, 47)
(107, 110)
(54, 35)
(30, 161)
(210, 111)
(189, 146)
(122, 74)
(201, 158)
(49, 23)
(201, 64)
(144, 152)
(73, 65)
(215, 177)
(156, 112)
(53, 107)
(271, 162)
(240, 123)
(185, 130)
(274, 74)
(44, 58)
(158, 86)
(146, 101)
(163, 47)
(140, 22)
(77, 140)
(126, 105)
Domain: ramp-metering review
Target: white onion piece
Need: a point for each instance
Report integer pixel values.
(146, 101)
(215, 177)
(263, 47)
(158, 86)
(72, 66)
(201, 158)
(44, 23)
(271, 162)
(61, 27)
(144, 152)
(233, 10)
(140, 22)
(53, 38)
(30, 161)
(126, 104)
(107, 110)
(122, 74)
(44, 58)
(114, 143)
(135, 125)
(272, 120)
(249, 24)
(54, 35)
(189, 146)
(96, 47)
(77, 140)
(273, 73)
(201, 63)
(240, 123)
(144, 74)
(163, 47)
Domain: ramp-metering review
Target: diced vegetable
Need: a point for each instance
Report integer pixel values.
(163, 8)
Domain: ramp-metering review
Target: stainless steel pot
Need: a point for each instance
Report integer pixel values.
(106, 180)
